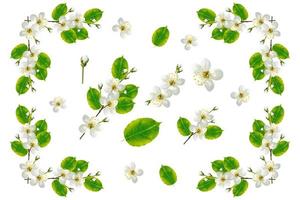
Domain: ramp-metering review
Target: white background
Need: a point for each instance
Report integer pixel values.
(107, 152)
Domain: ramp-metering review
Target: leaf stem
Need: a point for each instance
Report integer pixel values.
(192, 133)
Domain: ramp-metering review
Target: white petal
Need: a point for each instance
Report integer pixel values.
(218, 74)
(209, 85)
(205, 63)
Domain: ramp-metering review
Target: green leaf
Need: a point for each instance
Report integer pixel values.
(93, 15)
(256, 138)
(231, 163)
(206, 184)
(277, 85)
(218, 166)
(69, 36)
(240, 10)
(218, 33)
(93, 98)
(119, 68)
(282, 51)
(69, 163)
(59, 10)
(41, 73)
(183, 126)
(125, 105)
(213, 132)
(43, 138)
(59, 189)
(93, 184)
(23, 85)
(81, 166)
(141, 131)
(81, 33)
(41, 126)
(206, 15)
(18, 148)
(240, 189)
(129, 91)
(18, 51)
(160, 36)
(23, 114)
(256, 61)
(281, 148)
(276, 114)
(258, 126)
(258, 73)
(167, 175)
(231, 36)
(43, 61)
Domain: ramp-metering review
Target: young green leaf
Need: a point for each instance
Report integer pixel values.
(69, 36)
(41, 73)
(258, 73)
(23, 85)
(18, 148)
(206, 15)
(93, 15)
(43, 138)
(281, 148)
(81, 166)
(282, 51)
(258, 126)
(206, 184)
(119, 68)
(240, 189)
(93, 184)
(256, 138)
(218, 33)
(125, 105)
(40, 126)
(23, 114)
(183, 126)
(93, 98)
(277, 85)
(167, 175)
(218, 166)
(231, 36)
(276, 114)
(256, 61)
(59, 10)
(141, 131)
(68, 163)
(213, 132)
(18, 51)
(81, 33)
(129, 91)
(160, 36)
(240, 10)
(43, 61)
(231, 163)
(59, 189)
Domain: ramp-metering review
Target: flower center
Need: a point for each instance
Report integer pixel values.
(241, 95)
(172, 82)
(132, 172)
(260, 178)
(29, 31)
(205, 74)
(91, 125)
(122, 28)
(160, 97)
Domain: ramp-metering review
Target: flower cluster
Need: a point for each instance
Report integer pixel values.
(204, 126)
(171, 82)
(113, 97)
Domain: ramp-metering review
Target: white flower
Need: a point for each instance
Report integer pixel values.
(260, 20)
(28, 131)
(39, 177)
(172, 83)
(271, 168)
(58, 103)
(270, 31)
(272, 131)
(224, 20)
(160, 97)
(32, 54)
(28, 168)
(76, 21)
(272, 68)
(132, 173)
(260, 177)
(204, 117)
(29, 31)
(114, 87)
(28, 68)
(267, 53)
(237, 24)
(32, 145)
(267, 144)
(110, 102)
(242, 96)
(224, 179)
(189, 41)
(39, 20)
(198, 130)
(64, 175)
(203, 75)
(123, 26)
(77, 179)
(237, 175)
(91, 124)
(63, 24)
